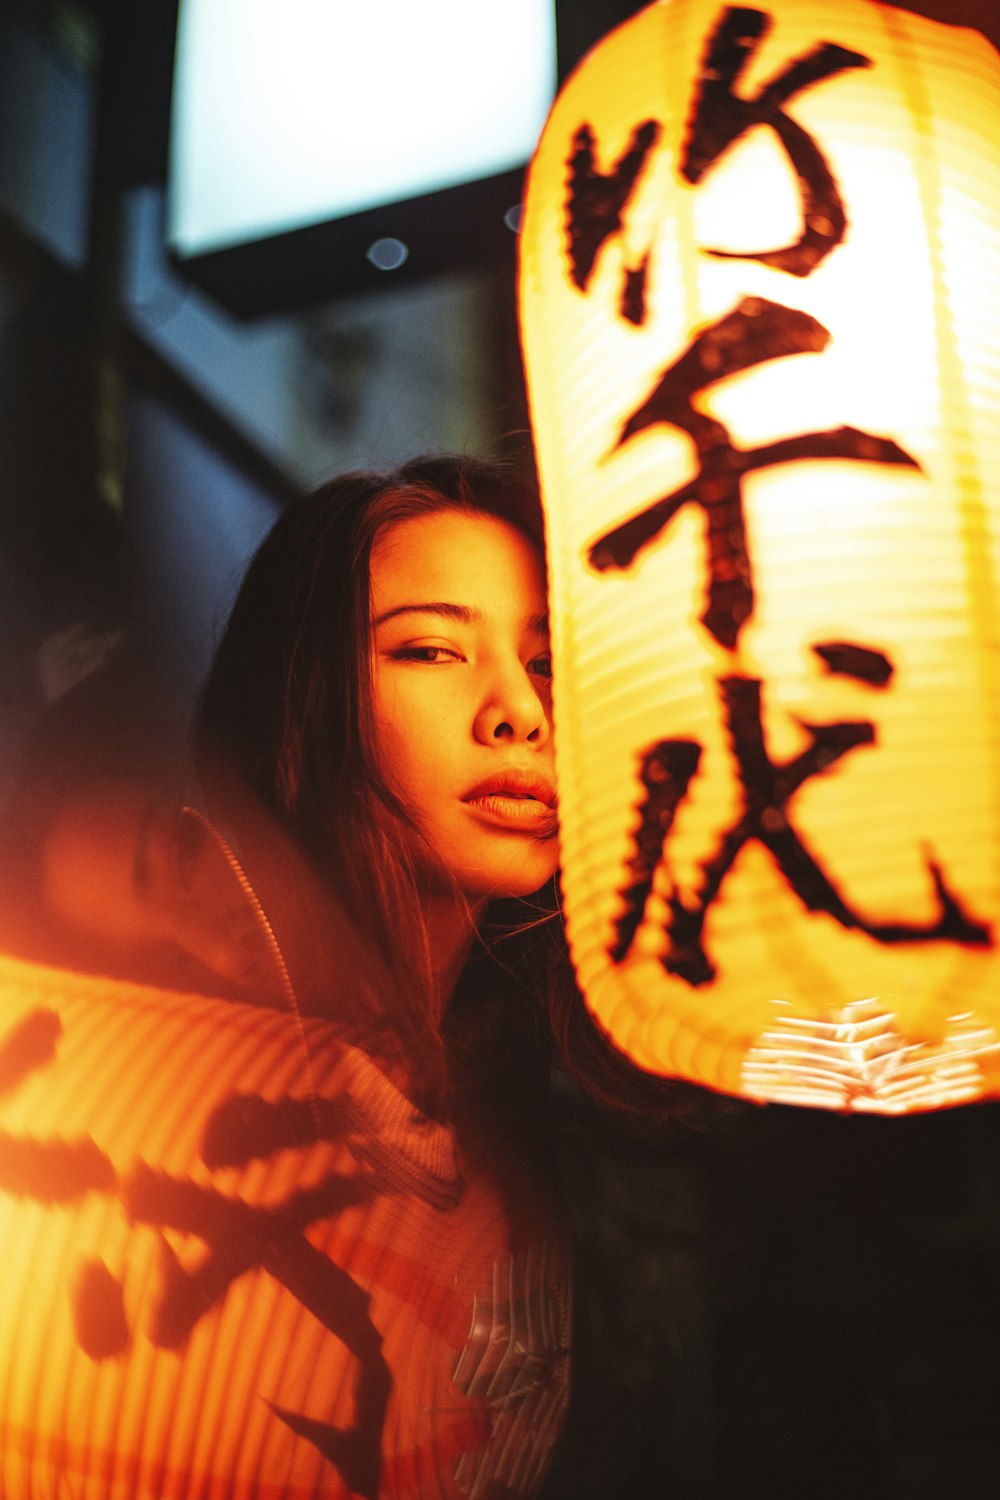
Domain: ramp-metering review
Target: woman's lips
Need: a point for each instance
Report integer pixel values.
(515, 800)
(515, 782)
(514, 812)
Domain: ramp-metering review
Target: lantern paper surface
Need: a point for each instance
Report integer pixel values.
(761, 323)
(228, 1271)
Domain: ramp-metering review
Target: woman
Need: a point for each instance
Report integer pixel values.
(385, 663)
(380, 704)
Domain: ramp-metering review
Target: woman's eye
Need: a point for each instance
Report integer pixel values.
(541, 666)
(429, 654)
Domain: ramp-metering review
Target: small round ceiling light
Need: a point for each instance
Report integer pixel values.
(388, 253)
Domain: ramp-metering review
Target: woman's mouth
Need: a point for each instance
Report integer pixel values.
(514, 812)
(515, 800)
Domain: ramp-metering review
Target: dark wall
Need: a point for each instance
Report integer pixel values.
(193, 518)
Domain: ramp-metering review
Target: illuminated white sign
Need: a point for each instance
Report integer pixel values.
(291, 112)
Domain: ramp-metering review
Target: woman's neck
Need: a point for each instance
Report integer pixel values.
(451, 928)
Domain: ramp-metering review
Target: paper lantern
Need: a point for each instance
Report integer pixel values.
(759, 262)
(236, 1264)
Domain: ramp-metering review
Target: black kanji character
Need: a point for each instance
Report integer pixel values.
(240, 1237)
(596, 201)
(61, 1172)
(720, 116)
(752, 334)
(767, 789)
(97, 1300)
(632, 305)
(665, 772)
(51, 1171)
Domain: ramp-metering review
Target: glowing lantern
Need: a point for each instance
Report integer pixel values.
(759, 314)
(231, 1271)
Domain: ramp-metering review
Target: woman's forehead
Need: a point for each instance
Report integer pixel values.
(457, 557)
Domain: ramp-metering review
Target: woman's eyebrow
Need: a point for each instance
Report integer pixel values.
(463, 613)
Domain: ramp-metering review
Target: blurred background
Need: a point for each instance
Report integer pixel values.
(772, 1301)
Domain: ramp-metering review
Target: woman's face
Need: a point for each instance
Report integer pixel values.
(462, 696)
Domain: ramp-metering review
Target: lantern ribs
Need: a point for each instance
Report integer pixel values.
(238, 1237)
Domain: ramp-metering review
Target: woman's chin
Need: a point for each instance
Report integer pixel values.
(517, 880)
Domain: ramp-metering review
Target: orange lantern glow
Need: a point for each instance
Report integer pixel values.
(759, 314)
(234, 1267)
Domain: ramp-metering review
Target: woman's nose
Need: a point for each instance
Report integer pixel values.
(514, 710)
